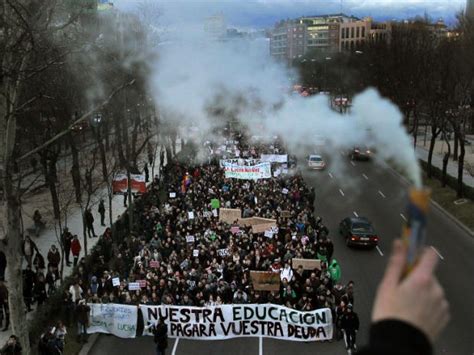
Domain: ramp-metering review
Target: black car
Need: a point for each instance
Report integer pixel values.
(361, 153)
(358, 231)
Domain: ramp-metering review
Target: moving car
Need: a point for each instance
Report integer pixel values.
(361, 153)
(358, 231)
(316, 162)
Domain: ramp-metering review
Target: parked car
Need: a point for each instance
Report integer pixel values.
(316, 162)
(358, 231)
(361, 153)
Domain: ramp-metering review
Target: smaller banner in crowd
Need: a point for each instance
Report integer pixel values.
(120, 183)
(265, 280)
(254, 172)
(119, 320)
(229, 215)
(249, 320)
(307, 264)
(238, 161)
(274, 158)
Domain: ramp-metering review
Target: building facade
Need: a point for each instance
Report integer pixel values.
(470, 9)
(325, 34)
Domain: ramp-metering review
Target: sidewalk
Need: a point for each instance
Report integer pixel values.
(74, 223)
(437, 159)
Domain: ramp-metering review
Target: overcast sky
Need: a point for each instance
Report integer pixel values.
(264, 13)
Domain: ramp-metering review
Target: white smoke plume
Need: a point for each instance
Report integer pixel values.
(195, 71)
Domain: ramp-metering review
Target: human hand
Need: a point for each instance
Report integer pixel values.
(417, 299)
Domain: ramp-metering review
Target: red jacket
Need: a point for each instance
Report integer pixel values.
(75, 247)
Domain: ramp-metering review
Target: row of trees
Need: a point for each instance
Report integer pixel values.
(72, 90)
(429, 76)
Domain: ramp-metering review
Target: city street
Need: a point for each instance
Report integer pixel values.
(362, 189)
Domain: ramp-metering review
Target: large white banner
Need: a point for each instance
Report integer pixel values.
(274, 158)
(259, 171)
(119, 320)
(246, 320)
(238, 161)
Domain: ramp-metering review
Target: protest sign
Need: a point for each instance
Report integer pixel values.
(254, 172)
(142, 283)
(284, 191)
(258, 224)
(223, 252)
(215, 203)
(190, 215)
(241, 320)
(133, 286)
(119, 320)
(308, 264)
(195, 252)
(214, 213)
(265, 280)
(274, 158)
(235, 229)
(190, 239)
(172, 194)
(285, 214)
(115, 282)
(119, 183)
(137, 183)
(268, 234)
(229, 215)
(154, 264)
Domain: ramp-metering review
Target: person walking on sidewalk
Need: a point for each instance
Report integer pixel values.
(3, 265)
(350, 326)
(89, 219)
(75, 249)
(4, 310)
(125, 197)
(67, 239)
(147, 172)
(102, 212)
(54, 257)
(82, 317)
(29, 247)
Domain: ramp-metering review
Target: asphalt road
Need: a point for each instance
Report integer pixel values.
(364, 189)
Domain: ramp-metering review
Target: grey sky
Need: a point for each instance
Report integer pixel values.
(264, 13)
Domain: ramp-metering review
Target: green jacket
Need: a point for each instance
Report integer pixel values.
(335, 271)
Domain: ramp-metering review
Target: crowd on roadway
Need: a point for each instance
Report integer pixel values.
(184, 255)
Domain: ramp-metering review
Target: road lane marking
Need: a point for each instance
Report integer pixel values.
(403, 217)
(175, 346)
(365, 177)
(342, 192)
(260, 345)
(437, 252)
(355, 214)
(381, 194)
(378, 249)
(353, 164)
(330, 175)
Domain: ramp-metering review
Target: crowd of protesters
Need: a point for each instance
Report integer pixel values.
(214, 266)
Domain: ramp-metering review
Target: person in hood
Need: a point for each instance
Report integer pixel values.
(335, 271)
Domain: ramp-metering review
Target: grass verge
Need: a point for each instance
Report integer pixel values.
(446, 196)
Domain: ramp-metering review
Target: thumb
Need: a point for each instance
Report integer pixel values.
(395, 266)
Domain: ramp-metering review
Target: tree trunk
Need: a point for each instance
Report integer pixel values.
(460, 189)
(75, 172)
(13, 252)
(429, 172)
(445, 163)
(456, 145)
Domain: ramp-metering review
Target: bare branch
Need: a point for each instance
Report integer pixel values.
(81, 119)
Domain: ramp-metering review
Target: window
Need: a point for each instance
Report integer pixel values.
(343, 34)
(352, 32)
(358, 31)
(363, 31)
